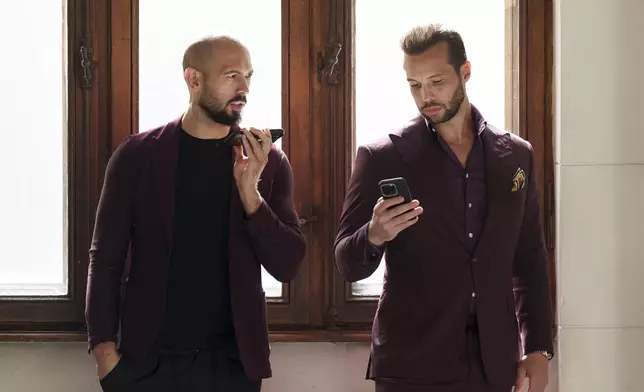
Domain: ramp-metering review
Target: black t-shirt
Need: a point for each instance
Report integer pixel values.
(198, 313)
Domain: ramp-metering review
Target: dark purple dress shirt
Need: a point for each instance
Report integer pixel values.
(467, 190)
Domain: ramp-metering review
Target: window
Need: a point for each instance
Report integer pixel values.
(327, 72)
(48, 163)
(33, 163)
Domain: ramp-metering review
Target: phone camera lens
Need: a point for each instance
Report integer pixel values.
(389, 190)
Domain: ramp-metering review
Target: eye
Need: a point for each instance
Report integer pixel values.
(437, 81)
(414, 85)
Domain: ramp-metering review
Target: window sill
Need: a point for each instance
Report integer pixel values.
(360, 336)
(51, 337)
(275, 336)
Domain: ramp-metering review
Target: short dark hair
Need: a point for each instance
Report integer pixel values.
(421, 38)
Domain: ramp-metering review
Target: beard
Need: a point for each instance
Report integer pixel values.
(451, 108)
(216, 110)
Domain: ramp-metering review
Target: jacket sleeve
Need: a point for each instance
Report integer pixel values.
(109, 247)
(530, 270)
(355, 256)
(276, 235)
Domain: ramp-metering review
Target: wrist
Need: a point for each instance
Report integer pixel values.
(105, 350)
(373, 240)
(544, 354)
(251, 200)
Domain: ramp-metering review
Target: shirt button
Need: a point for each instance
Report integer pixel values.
(471, 235)
(474, 260)
(473, 295)
(469, 205)
(467, 175)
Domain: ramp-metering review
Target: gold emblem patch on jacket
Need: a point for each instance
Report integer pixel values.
(518, 181)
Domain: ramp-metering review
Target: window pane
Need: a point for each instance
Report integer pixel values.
(163, 94)
(380, 78)
(33, 88)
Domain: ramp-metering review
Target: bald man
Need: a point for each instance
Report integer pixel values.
(199, 215)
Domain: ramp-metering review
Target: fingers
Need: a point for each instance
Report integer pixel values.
(247, 148)
(407, 216)
(239, 153)
(267, 140)
(261, 148)
(402, 226)
(251, 144)
(388, 209)
(400, 209)
(521, 374)
(383, 204)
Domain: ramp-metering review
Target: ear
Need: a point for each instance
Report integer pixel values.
(466, 71)
(191, 76)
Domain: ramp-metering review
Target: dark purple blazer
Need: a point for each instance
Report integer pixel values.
(135, 212)
(419, 328)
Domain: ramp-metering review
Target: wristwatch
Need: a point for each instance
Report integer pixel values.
(544, 353)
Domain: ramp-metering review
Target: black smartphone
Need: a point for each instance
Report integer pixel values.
(235, 137)
(394, 187)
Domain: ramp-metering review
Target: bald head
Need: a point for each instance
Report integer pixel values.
(217, 71)
(200, 54)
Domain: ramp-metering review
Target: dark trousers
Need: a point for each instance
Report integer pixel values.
(476, 381)
(188, 371)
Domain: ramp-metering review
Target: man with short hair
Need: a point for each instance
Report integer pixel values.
(200, 216)
(466, 256)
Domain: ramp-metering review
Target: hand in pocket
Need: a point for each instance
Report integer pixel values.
(105, 365)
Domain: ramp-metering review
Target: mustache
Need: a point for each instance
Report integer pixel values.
(427, 106)
(239, 98)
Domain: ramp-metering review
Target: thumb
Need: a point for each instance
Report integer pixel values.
(521, 375)
(239, 153)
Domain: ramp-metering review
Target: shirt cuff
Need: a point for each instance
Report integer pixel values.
(373, 252)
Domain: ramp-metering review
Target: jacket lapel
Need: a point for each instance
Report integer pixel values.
(498, 153)
(422, 156)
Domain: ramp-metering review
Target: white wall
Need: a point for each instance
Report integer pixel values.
(297, 367)
(600, 168)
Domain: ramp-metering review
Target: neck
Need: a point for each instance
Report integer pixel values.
(459, 129)
(197, 124)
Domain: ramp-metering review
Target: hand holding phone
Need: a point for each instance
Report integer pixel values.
(235, 137)
(394, 212)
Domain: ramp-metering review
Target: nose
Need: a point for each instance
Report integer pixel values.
(427, 94)
(243, 87)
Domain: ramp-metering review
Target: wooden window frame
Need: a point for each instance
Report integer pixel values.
(318, 114)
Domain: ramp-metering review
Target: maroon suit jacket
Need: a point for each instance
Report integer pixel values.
(419, 328)
(135, 212)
